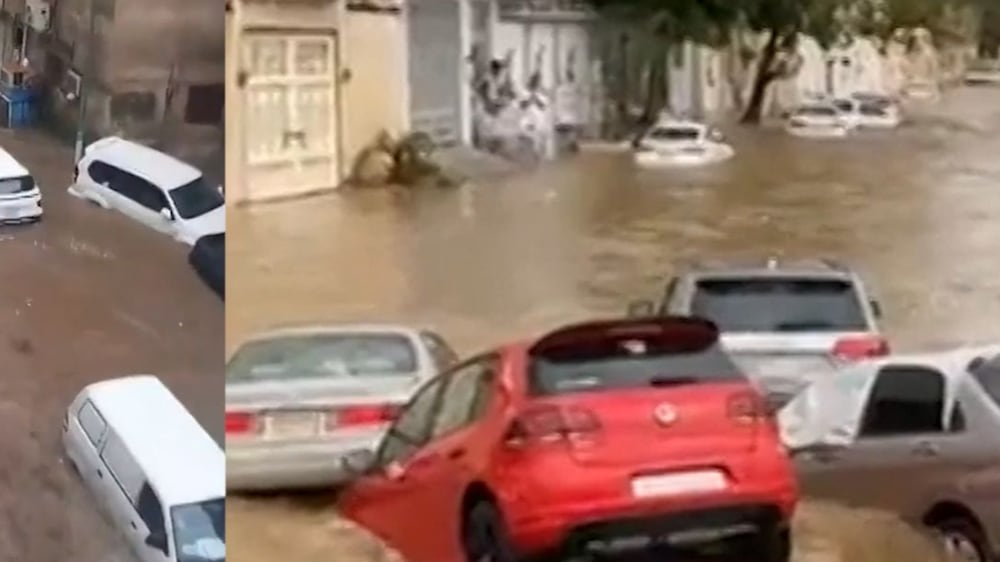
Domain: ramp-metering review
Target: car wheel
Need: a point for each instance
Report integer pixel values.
(962, 540)
(484, 535)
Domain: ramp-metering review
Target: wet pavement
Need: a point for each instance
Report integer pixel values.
(915, 210)
(86, 295)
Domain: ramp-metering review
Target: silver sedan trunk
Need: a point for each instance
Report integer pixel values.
(296, 402)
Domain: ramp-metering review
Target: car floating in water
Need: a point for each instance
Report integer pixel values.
(818, 120)
(681, 143)
(150, 187)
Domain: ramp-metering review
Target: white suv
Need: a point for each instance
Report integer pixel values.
(784, 322)
(151, 187)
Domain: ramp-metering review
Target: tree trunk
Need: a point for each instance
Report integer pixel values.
(763, 76)
(656, 91)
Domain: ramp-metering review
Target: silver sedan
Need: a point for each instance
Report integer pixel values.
(299, 399)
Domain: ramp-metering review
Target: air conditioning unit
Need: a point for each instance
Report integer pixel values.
(38, 14)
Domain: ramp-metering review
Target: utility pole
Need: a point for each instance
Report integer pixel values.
(86, 81)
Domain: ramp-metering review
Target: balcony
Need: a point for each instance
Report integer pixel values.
(545, 10)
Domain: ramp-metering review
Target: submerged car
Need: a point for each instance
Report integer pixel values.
(297, 399)
(20, 198)
(681, 143)
(915, 434)
(150, 187)
(818, 119)
(208, 259)
(600, 438)
(786, 322)
(869, 112)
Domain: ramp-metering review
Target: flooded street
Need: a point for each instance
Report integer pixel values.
(86, 295)
(915, 210)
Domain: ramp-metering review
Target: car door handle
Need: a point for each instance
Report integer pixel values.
(925, 449)
(456, 454)
(100, 474)
(132, 523)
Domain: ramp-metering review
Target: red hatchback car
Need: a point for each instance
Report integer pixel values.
(597, 439)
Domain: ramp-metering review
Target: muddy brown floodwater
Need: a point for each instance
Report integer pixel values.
(915, 209)
(86, 295)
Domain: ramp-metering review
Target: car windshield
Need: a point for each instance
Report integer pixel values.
(988, 375)
(817, 111)
(322, 356)
(632, 366)
(873, 109)
(200, 531)
(13, 186)
(674, 133)
(780, 305)
(196, 198)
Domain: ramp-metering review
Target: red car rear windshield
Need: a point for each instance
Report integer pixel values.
(629, 367)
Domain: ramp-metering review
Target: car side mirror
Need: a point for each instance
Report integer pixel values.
(357, 463)
(167, 214)
(157, 540)
(876, 308)
(641, 309)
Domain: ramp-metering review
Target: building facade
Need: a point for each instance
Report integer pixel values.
(150, 70)
(310, 85)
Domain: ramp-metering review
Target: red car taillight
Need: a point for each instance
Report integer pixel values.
(240, 423)
(861, 347)
(353, 416)
(552, 424)
(747, 408)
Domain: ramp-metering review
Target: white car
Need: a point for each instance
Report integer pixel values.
(818, 120)
(151, 467)
(151, 187)
(983, 72)
(680, 143)
(869, 112)
(20, 198)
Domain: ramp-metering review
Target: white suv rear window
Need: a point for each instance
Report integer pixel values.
(780, 304)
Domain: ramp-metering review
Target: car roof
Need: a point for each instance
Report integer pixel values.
(158, 167)
(10, 167)
(770, 267)
(333, 329)
(179, 458)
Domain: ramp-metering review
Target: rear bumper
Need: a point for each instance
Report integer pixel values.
(623, 528)
(689, 527)
(550, 517)
(263, 466)
(21, 209)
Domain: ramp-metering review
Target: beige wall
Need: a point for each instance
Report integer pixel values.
(372, 58)
(376, 95)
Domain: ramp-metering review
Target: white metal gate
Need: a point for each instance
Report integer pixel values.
(436, 68)
(290, 113)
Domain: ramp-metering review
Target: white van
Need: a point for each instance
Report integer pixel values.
(152, 467)
(20, 198)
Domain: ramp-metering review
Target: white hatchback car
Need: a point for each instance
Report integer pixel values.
(20, 198)
(151, 187)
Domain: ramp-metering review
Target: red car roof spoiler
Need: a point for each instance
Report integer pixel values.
(665, 334)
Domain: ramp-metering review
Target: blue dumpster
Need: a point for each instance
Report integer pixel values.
(17, 107)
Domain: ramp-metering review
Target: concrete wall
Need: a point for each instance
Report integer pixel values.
(148, 53)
